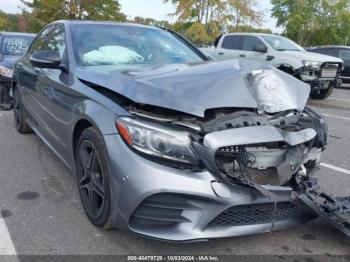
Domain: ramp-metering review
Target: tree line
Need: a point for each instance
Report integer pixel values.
(308, 22)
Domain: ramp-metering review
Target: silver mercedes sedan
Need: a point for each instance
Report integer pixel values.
(163, 141)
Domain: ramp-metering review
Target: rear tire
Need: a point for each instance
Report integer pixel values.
(93, 178)
(323, 94)
(20, 114)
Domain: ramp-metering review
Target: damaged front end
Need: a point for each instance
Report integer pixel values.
(320, 75)
(279, 143)
(253, 150)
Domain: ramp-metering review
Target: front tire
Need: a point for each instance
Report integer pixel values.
(93, 178)
(20, 114)
(323, 94)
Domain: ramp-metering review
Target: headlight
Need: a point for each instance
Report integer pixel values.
(8, 72)
(312, 65)
(157, 140)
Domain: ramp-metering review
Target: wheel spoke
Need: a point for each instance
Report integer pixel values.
(84, 181)
(87, 154)
(98, 188)
(91, 201)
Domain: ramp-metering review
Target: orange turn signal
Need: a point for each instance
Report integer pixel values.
(124, 132)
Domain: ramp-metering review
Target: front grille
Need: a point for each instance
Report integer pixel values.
(159, 210)
(329, 70)
(254, 214)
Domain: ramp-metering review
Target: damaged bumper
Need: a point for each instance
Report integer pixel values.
(180, 205)
(243, 187)
(321, 78)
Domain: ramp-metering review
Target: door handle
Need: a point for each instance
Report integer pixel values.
(220, 53)
(243, 55)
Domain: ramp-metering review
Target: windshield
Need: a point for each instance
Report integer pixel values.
(281, 43)
(15, 45)
(129, 47)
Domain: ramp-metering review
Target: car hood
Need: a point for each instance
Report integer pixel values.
(195, 88)
(305, 55)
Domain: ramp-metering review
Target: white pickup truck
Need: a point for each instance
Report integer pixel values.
(321, 72)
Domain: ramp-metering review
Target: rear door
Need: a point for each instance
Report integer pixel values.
(229, 47)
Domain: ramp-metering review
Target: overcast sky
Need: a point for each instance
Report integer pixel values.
(149, 8)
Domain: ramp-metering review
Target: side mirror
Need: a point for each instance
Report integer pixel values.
(260, 48)
(46, 59)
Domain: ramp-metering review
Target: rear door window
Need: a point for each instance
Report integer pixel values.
(232, 42)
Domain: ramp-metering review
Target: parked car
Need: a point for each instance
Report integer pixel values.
(343, 52)
(321, 72)
(12, 47)
(164, 142)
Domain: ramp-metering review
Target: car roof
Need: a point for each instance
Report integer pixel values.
(15, 33)
(80, 22)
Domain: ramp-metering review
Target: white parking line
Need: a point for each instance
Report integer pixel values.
(6, 244)
(339, 99)
(339, 169)
(339, 117)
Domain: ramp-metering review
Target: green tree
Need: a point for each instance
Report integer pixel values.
(209, 18)
(46, 11)
(247, 28)
(198, 34)
(3, 20)
(313, 22)
(243, 12)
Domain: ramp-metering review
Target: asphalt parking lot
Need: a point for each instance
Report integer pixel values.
(41, 211)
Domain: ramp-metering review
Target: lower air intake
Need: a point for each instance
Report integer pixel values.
(161, 210)
(254, 214)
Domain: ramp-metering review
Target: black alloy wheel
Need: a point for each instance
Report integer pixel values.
(92, 178)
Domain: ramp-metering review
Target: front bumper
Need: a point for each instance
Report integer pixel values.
(324, 83)
(327, 75)
(179, 205)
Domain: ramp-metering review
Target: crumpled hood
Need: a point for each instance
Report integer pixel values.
(193, 89)
(305, 55)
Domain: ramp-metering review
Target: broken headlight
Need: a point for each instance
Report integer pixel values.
(157, 140)
(5, 71)
(312, 65)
